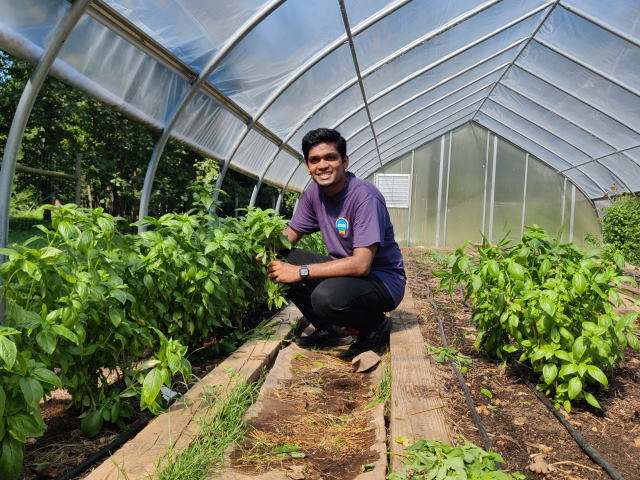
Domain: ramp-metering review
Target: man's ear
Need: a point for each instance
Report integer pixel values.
(345, 161)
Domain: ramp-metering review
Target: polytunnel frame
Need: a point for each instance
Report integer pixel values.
(424, 38)
(142, 41)
(21, 116)
(361, 74)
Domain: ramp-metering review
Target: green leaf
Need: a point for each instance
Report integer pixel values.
(487, 393)
(494, 269)
(151, 386)
(545, 266)
(47, 341)
(11, 459)
(47, 376)
(31, 390)
(3, 402)
(115, 315)
(92, 423)
(579, 282)
(591, 400)
(63, 331)
(549, 373)
(548, 306)
(8, 351)
(597, 374)
(516, 271)
(575, 387)
(579, 348)
(22, 426)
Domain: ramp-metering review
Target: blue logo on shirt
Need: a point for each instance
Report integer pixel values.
(342, 225)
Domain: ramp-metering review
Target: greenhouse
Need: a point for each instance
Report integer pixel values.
(153, 150)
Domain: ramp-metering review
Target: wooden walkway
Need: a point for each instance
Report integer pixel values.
(416, 406)
(178, 427)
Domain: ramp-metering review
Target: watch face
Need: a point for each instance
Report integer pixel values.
(304, 271)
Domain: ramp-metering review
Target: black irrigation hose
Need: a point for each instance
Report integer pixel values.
(577, 436)
(467, 394)
(488, 445)
(116, 443)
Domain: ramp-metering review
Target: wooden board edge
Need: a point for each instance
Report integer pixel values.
(260, 352)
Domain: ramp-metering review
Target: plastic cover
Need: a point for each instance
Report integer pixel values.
(569, 95)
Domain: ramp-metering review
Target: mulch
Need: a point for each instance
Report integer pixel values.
(518, 424)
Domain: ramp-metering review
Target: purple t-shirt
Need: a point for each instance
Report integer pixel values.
(355, 217)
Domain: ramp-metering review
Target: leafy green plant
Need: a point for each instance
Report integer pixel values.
(433, 459)
(314, 243)
(553, 304)
(621, 227)
(443, 354)
(94, 302)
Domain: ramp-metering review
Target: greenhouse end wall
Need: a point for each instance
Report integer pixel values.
(470, 182)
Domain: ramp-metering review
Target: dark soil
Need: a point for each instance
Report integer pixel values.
(62, 447)
(320, 412)
(518, 424)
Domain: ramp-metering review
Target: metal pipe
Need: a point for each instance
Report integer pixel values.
(301, 70)
(419, 140)
(21, 116)
(586, 66)
(429, 125)
(428, 89)
(347, 29)
(615, 150)
(524, 47)
(424, 107)
(604, 191)
(616, 177)
(609, 28)
(572, 95)
(393, 56)
(220, 55)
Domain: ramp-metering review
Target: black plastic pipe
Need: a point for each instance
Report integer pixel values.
(115, 444)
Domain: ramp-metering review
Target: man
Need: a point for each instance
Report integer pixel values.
(364, 277)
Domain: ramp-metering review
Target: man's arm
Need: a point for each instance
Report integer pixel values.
(293, 236)
(357, 265)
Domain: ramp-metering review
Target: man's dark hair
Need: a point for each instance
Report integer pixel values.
(323, 135)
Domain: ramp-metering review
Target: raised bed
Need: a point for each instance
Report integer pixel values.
(518, 424)
(177, 428)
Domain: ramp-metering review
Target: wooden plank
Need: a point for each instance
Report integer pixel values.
(417, 409)
(178, 427)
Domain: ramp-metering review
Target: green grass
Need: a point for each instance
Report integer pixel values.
(219, 431)
(382, 392)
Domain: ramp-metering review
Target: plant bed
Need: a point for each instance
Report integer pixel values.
(520, 427)
(63, 446)
(314, 419)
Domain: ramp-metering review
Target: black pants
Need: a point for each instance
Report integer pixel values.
(356, 302)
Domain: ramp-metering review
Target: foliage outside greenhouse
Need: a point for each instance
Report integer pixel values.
(621, 227)
(553, 305)
(94, 302)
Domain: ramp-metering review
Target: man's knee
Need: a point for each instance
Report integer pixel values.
(324, 300)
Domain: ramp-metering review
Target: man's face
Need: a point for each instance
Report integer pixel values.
(327, 168)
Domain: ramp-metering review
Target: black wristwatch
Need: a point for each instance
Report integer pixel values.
(304, 272)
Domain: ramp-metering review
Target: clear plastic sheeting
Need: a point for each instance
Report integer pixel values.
(310, 89)
(254, 152)
(275, 47)
(191, 30)
(209, 126)
(582, 83)
(557, 80)
(283, 163)
(624, 17)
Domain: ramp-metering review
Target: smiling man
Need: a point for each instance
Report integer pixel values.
(364, 276)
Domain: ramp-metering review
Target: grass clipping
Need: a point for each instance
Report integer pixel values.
(218, 431)
(319, 419)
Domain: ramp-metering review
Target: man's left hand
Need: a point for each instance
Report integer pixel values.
(283, 272)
